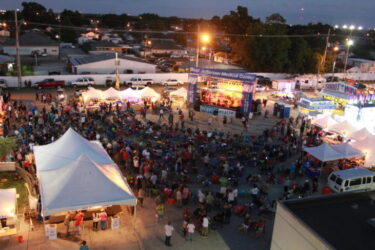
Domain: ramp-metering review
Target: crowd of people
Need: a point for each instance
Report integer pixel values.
(162, 159)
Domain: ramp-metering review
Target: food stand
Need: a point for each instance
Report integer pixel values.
(225, 93)
(307, 106)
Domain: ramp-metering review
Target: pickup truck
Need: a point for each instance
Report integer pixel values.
(139, 82)
(50, 82)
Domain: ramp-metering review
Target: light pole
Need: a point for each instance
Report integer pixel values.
(348, 44)
(18, 57)
(205, 39)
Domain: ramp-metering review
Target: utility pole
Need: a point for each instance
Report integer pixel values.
(322, 62)
(18, 58)
(197, 49)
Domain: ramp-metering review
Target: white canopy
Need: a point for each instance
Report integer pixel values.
(92, 94)
(83, 184)
(344, 128)
(324, 122)
(180, 92)
(324, 152)
(347, 150)
(8, 200)
(149, 93)
(66, 150)
(367, 147)
(130, 93)
(112, 93)
(361, 134)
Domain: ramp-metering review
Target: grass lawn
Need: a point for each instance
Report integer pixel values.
(19, 185)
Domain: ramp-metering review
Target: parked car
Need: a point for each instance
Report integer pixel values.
(171, 82)
(260, 88)
(263, 80)
(3, 83)
(83, 81)
(50, 82)
(139, 82)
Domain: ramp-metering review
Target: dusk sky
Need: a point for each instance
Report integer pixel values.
(295, 11)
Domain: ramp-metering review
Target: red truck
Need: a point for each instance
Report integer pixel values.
(50, 82)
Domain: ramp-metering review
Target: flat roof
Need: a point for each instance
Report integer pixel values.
(361, 60)
(342, 220)
(32, 38)
(80, 60)
(353, 172)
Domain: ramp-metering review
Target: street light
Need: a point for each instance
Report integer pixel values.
(349, 43)
(204, 38)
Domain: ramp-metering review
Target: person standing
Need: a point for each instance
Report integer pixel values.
(168, 233)
(170, 119)
(224, 121)
(67, 222)
(205, 223)
(103, 219)
(95, 221)
(78, 222)
(190, 228)
(161, 114)
(141, 196)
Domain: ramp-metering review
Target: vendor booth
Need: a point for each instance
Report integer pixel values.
(8, 212)
(77, 174)
(225, 93)
(181, 92)
(366, 146)
(360, 134)
(317, 105)
(324, 122)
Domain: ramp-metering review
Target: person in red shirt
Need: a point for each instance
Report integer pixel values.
(124, 155)
(78, 221)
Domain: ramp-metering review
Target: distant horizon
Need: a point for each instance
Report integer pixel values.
(333, 12)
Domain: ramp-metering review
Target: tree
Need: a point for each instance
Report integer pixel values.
(68, 35)
(7, 144)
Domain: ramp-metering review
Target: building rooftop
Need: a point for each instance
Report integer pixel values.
(345, 220)
(361, 60)
(167, 44)
(32, 39)
(102, 44)
(80, 60)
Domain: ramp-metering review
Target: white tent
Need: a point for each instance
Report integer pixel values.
(347, 150)
(361, 134)
(92, 94)
(8, 200)
(324, 122)
(112, 93)
(180, 92)
(130, 93)
(83, 184)
(149, 93)
(324, 152)
(344, 128)
(66, 150)
(367, 147)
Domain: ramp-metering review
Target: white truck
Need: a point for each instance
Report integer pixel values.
(138, 82)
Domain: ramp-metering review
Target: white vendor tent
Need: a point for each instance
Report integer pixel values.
(66, 150)
(367, 147)
(361, 134)
(324, 122)
(8, 201)
(149, 93)
(83, 184)
(130, 93)
(75, 174)
(182, 92)
(347, 150)
(112, 93)
(92, 94)
(324, 152)
(344, 128)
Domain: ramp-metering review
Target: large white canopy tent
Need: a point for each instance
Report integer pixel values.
(83, 184)
(344, 128)
(112, 93)
(92, 94)
(130, 93)
(182, 92)
(149, 93)
(347, 150)
(324, 122)
(8, 201)
(75, 174)
(361, 134)
(367, 147)
(324, 152)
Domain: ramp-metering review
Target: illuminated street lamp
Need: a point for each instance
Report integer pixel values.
(205, 39)
(349, 43)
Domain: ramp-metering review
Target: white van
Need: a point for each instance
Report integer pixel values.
(354, 179)
(309, 82)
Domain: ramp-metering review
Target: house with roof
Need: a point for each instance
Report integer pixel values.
(32, 43)
(107, 64)
(158, 46)
(98, 47)
(360, 65)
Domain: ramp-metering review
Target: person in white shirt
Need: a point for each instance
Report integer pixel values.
(168, 233)
(190, 228)
(205, 224)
